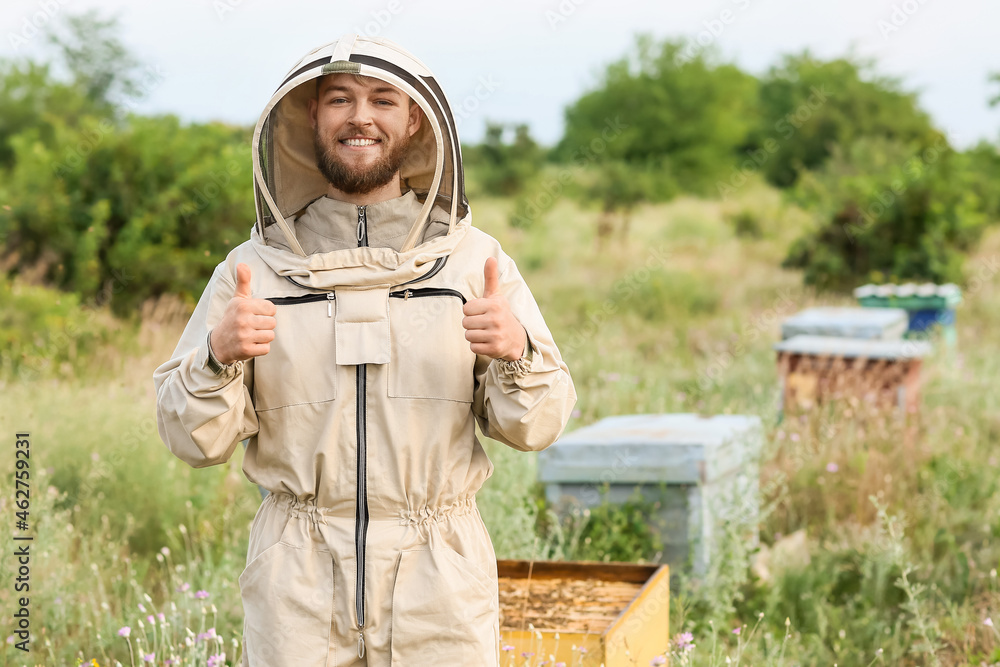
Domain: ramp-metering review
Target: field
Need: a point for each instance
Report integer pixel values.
(675, 312)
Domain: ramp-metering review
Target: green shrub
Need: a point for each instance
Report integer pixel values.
(44, 332)
(984, 171)
(505, 168)
(887, 212)
(137, 209)
(746, 223)
(610, 532)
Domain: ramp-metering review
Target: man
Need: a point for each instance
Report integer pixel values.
(356, 340)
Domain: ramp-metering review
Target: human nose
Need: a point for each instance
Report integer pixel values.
(362, 114)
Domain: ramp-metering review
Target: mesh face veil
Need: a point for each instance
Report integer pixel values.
(286, 178)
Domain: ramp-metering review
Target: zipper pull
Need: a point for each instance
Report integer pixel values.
(362, 222)
(361, 644)
(406, 295)
(329, 304)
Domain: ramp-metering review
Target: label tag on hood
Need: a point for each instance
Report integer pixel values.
(362, 325)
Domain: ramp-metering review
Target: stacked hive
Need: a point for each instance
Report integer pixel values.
(835, 353)
(930, 308)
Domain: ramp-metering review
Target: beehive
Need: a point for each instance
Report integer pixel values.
(930, 307)
(617, 613)
(701, 470)
(862, 323)
(884, 373)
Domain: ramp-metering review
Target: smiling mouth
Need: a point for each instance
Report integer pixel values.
(359, 143)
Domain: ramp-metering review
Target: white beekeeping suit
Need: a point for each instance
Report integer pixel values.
(369, 548)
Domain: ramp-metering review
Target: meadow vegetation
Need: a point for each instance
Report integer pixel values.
(663, 260)
(109, 497)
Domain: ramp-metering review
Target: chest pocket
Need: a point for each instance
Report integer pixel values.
(301, 365)
(430, 357)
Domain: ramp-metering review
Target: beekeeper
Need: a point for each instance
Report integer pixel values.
(356, 339)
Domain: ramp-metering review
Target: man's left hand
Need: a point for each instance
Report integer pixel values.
(490, 327)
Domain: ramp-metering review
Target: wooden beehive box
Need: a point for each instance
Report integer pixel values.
(618, 613)
(701, 471)
(884, 373)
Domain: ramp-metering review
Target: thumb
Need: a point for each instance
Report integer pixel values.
(242, 281)
(492, 276)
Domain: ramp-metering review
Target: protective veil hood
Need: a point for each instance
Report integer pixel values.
(286, 178)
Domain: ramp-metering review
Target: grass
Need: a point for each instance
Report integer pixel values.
(676, 316)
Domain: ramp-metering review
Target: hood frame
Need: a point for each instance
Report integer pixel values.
(286, 178)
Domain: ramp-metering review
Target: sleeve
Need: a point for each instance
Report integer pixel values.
(524, 404)
(201, 414)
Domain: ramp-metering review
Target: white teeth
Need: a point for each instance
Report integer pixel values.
(360, 142)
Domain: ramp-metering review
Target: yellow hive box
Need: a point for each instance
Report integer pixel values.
(617, 613)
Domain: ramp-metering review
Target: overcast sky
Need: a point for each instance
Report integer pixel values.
(525, 61)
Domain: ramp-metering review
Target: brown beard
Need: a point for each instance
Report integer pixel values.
(356, 182)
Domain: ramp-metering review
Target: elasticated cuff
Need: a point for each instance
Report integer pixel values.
(213, 365)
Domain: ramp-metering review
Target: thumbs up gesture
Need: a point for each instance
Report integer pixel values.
(490, 327)
(247, 327)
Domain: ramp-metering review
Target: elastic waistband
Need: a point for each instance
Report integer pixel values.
(404, 515)
(410, 517)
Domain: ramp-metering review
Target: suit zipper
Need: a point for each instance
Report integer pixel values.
(362, 226)
(361, 511)
(427, 291)
(329, 297)
(361, 375)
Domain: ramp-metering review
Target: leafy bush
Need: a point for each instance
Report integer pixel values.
(609, 532)
(98, 202)
(46, 333)
(746, 223)
(622, 532)
(149, 204)
(887, 212)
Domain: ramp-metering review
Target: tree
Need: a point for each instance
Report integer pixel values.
(31, 98)
(88, 47)
(983, 168)
(808, 106)
(106, 204)
(507, 167)
(984, 165)
(91, 74)
(658, 109)
(129, 212)
(617, 189)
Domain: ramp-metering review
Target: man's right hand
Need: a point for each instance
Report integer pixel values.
(247, 327)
